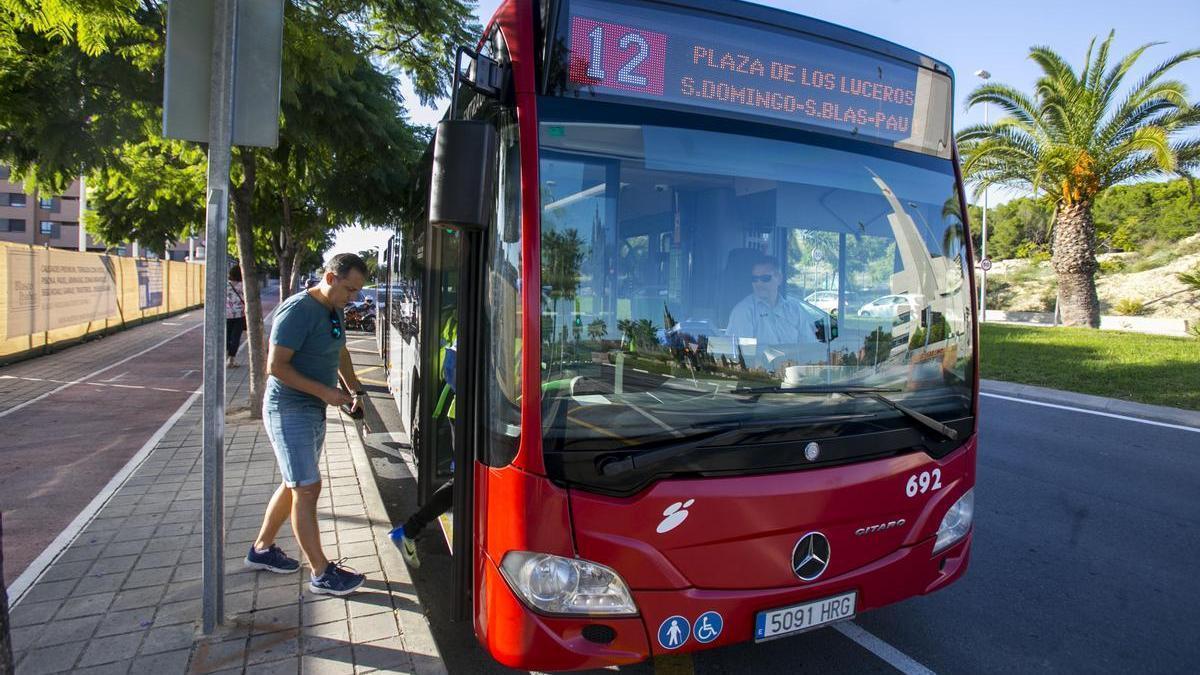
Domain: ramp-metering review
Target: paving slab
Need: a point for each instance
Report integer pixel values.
(124, 597)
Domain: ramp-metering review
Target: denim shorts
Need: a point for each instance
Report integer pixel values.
(298, 434)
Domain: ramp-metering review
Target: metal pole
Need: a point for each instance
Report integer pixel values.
(220, 136)
(985, 76)
(983, 272)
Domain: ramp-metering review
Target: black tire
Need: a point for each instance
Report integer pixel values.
(369, 325)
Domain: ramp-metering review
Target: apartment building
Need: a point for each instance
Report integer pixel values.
(40, 219)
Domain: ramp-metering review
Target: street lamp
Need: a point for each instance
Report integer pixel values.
(983, 259)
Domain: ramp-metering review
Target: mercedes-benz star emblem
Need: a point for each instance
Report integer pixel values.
(811, 556)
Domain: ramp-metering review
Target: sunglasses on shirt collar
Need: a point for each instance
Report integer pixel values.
(335, 330)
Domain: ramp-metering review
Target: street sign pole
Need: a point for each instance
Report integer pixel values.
(216, 238)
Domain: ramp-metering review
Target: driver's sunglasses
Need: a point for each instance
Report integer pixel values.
(336, 325)
(761, 278)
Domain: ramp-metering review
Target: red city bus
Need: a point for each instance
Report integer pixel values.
(708, 274)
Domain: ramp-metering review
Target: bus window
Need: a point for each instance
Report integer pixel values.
(681, 266)
(445, 341)
(503, 307)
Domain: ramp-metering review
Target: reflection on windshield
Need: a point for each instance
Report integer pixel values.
(679, 265)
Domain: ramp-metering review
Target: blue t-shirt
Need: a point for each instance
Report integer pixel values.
(305, 326)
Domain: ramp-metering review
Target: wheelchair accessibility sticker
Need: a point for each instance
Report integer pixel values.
(708, 627)
(674, 632)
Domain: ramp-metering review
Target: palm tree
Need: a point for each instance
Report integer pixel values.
(597, 328)
(1075, 137)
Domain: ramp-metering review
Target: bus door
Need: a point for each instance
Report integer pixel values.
(451, 348)
(438, 404)
(467, 147)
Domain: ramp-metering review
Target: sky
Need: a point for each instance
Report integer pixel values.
(968, 36)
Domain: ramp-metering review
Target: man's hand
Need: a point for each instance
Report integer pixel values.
(336, 396)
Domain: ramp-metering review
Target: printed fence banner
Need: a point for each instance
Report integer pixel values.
(150, 283)
(50, 289)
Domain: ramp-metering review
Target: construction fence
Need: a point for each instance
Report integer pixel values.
(53, 297)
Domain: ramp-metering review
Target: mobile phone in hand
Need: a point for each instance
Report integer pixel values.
(354, 414)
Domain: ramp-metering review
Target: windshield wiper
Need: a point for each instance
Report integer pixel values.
(875, 393)
(713, 431)
(616, 467)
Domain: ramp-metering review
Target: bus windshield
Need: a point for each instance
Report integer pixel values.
(693, 279)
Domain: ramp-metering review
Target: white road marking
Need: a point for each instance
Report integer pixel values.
(1093, 412)
(116, 378)
(39, 566)
(89, 376)
(894, 657)
(102, 383)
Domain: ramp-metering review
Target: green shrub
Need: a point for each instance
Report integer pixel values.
(1111, 266)
(1128, 216)
(1154, 254)
(1049, 299)
(1000, 293)
(1191, 278)
(1027, 273)
(1033, 251)
(1129, 307)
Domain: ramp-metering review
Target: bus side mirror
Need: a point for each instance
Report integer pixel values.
(464, 176)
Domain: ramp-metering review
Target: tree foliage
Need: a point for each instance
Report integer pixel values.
(1126, 217)
(75, 89)
(153, 193)
(419, 38)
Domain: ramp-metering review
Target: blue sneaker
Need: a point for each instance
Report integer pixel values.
(408, 547)
(272, 560)
(337, 580)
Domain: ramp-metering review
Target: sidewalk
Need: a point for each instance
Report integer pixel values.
(124, 597)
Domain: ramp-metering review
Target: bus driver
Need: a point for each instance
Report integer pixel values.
(768, 317)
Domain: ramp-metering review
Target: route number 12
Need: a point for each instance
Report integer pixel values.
(626, 74)
(610, 55)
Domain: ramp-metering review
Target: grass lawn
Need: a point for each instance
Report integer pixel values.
(1131, 366)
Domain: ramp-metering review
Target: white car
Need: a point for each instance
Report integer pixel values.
(889, 306)
(827, 301)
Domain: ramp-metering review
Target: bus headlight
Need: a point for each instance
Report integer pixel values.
(558, 585)
(957, 522)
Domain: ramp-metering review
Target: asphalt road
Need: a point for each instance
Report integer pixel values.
(1085, 550)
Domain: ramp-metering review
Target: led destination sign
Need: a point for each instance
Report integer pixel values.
(697, 60)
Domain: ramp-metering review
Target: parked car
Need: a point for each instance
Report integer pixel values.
(889, 306)
(826, 300)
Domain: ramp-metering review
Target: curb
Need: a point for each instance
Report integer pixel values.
(1112, 406)
(415, 629)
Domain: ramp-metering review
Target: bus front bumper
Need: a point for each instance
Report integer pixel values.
(521, 638)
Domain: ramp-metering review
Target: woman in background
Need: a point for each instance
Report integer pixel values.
(235, 315)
